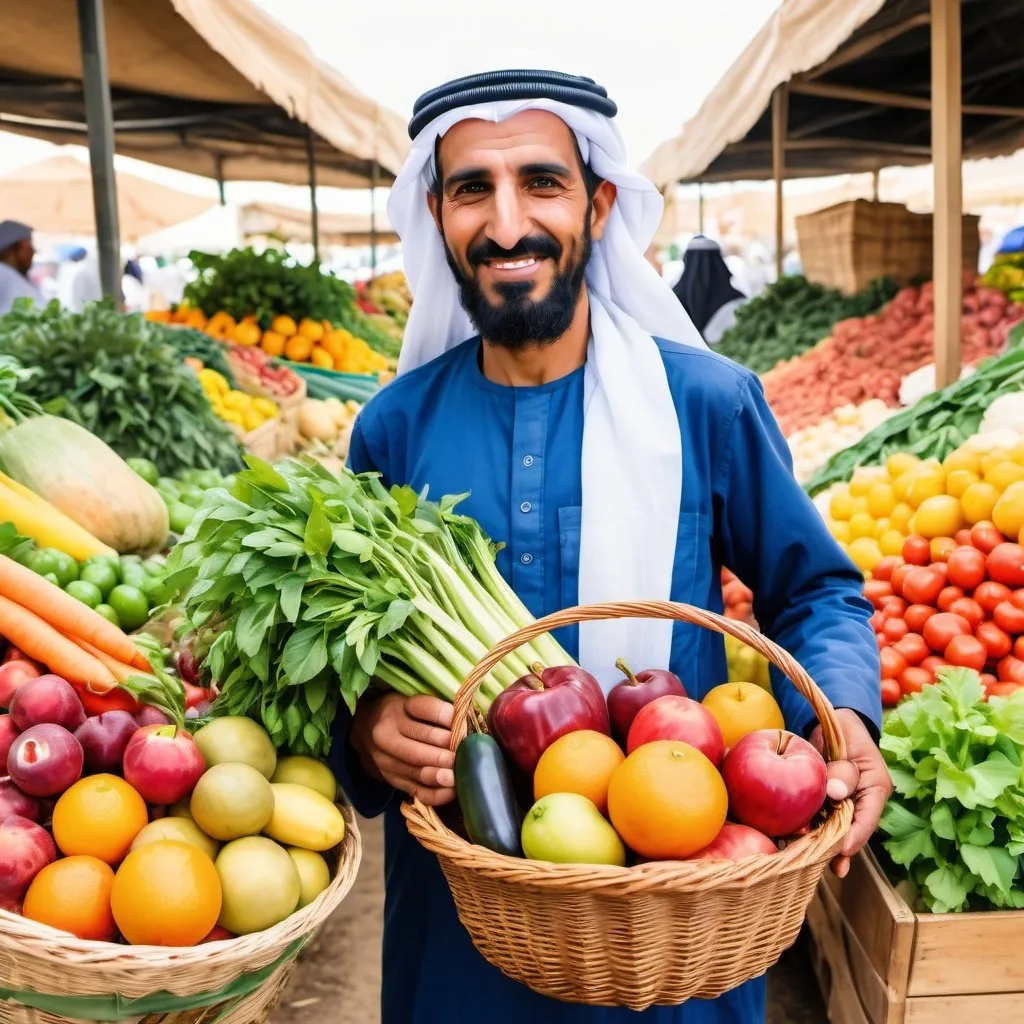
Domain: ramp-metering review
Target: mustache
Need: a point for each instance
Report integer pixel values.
(531, 245)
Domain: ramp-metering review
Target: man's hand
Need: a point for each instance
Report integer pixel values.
(862, 776)
(404, 741)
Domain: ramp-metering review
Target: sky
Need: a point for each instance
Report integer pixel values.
(657, 58)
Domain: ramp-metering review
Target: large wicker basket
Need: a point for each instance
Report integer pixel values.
(658, 933)
(49, 977)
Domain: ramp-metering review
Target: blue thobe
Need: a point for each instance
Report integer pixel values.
(517, 452)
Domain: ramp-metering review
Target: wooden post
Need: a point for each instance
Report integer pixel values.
(875, 175)
(947, 155)
(779, 129)
(700, 207)
(314, 212)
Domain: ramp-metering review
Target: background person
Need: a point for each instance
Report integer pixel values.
(16, 255)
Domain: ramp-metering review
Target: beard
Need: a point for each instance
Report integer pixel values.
(519, 321)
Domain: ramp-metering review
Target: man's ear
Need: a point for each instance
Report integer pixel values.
(601, 209)
(434, 204)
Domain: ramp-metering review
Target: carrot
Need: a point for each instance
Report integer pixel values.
(65, 613)
(119, 669)
(40, 641)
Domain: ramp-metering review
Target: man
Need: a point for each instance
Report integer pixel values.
(613, 464)
(706, 290)
(16, 254)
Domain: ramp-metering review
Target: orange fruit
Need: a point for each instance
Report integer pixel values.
(320, 357)
(272, 343)
(166, 894)
(284, 325)
(312, 330)
(739, 708)
(298, 348)
(667, 800)
(73, 895)
(334, 342)
(99, 816)
(579, 762)
(246, 333)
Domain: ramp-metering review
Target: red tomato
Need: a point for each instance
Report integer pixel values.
(917, 551)
(988, 681)
(195, 695)
(985, 537)
(1002, 689)
(891, 693)
(946, 598)
(1005, 564)
(922, 586)
(1018, 648)
(883, 571)
(1017, 597)
(1009, 617)
(1010, 670)
(876, 621)
(932, 664)
(966, 568)
(876, 591)
(996, 642)
(895, 629)
(894, 607)
(882, 640)
(942, 548)
(941, 567)
(115, 700)
(917, 615)
(899, 574)
(913, 648)
(962, 537)
(970, 610)
(941, 628)
(893, 663)
(967, 652)
(914, 680)
(990, 593)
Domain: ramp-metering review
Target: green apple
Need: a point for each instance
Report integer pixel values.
(567, 828)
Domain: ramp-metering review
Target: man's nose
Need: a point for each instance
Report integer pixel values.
(509, 222)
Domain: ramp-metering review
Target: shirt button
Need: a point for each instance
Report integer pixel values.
(526, 506)
(526, 558)
(527, 460)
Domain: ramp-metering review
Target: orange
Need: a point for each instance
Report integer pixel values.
(334, 342)
(73, 895)
(312, 330)
(322, 358)
(246, 333)
(99, 816)
(284, 325)
(166, 894)
(579, 762)
(667, 800)
(272, 343)
(298, 348)
(739, 708)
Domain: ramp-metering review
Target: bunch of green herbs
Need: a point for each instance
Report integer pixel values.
(300, 587)
(955, 823)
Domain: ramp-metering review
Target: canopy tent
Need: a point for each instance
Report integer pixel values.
(217, 89)
(340, 229)
(55, 196)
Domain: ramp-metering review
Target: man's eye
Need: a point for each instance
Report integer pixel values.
(544, 182)
(470, 187)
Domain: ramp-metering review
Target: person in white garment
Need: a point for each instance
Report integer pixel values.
(16, 255)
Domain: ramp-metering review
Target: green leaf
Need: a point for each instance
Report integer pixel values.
(252, 627)
(350, 542)
(304, 655)
(992, 864)
(945, 890)
(942, 821)
(318, 532)
(262, 474)
(290, 590)
(394, 618)
(316, 693)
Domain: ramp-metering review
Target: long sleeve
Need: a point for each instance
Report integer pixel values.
(808, 596)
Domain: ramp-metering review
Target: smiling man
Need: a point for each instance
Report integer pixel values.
(549, 371)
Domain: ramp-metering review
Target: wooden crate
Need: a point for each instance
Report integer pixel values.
(880, 963)
(847, 245)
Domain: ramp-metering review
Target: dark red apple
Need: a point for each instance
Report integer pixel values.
(217, 934)
(25, 849)
(163, 763)
(13, 801)
(104, 739)
(735, 842)
(151, 716)
(48, 699)
(188, 667)
(678, 718)
(8, 732)
(45, 760)
(625, 699)
(776, 781)
(12, 675)
(549, 702)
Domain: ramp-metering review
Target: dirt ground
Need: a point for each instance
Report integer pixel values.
(338, 979)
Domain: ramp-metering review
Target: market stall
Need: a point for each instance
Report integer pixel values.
(344, 230)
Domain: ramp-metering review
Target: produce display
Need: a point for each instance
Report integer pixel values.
(941, 421)
(196, 348)
(812, 447)
(1007, 274)
(241, 410)
(278, 381)
(113, 375)
(867, 357)
(792, 315)
(386, 298)
(326, 425)
(954, 827)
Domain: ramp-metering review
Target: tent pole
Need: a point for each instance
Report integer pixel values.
(100, 120)
(314, 214)
(373, 217)
(875, 175)
(220, 181)
(779, 118)
(947, 146)
(700, 207)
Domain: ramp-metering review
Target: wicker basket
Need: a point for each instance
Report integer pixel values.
(49, 977)
(847, 245)
(655, 934)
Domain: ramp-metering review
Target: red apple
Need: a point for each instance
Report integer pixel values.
(13, 801)
(12, 675)
(735, 842)
(549, 702)
(625, 699)
(45, 760)
(48, 699)
(25, 849)
(8, 733)
(163, 763)
(678, 718)
(151, 716)
(776, 781)
(188, 667)
(217, 934)
(104, 739)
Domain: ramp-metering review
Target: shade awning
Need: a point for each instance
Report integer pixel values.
(341, 229)
(218, 89)
(859, 85)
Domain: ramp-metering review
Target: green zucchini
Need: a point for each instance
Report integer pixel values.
(484, 788)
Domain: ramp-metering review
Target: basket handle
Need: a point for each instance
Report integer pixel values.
(835, 743)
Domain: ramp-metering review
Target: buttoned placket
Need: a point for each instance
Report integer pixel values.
(529, 441)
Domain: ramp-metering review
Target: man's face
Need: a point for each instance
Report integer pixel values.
(23, 254)
(517, 224)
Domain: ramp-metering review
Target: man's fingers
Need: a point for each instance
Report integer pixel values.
(866, 814)
(433, 735)
(434, 797)
(843, 779)
(432, 710)
(421, 754)
(414, 775)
